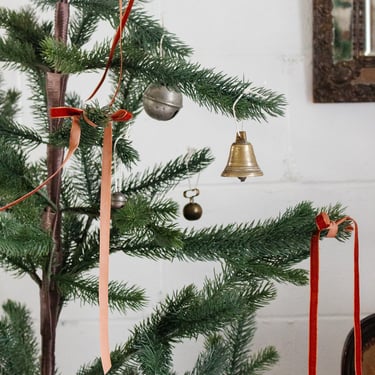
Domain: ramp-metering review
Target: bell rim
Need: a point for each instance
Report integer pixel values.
(250, 174)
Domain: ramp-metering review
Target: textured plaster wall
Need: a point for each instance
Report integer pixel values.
(318, 152)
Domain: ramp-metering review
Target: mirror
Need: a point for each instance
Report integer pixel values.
(368, 349)
(344, 51)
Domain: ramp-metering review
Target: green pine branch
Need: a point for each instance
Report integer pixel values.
(214, 90)
(37, 83)
(21, 47)
(187, 313)
(238, 336)
(121, 297)
(122, 364)
(8, 102)
(85, 176)
(12, 132)
(260, 362)
(267, 249)
(19, 352)
(163, 178)
(148, 35)
(83, 24)
(213, 359)
(22, 240)
(14, 172)
(84, 256)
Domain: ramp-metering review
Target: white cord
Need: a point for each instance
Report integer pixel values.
(115, 177)
(190, 152)
(161, 46)
(246, 91)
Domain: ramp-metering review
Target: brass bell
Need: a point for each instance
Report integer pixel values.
(242, 162)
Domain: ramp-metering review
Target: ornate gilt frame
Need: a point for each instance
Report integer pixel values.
(344, 81)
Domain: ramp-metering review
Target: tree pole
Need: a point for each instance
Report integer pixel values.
(50, 297)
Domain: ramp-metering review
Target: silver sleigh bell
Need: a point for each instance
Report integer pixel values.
(161, 103)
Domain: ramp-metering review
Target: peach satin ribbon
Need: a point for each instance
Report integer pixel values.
(105, 219)
(105, 206)
(323, 223)
(75, 135)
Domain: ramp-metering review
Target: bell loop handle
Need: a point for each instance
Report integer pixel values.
(191, 193)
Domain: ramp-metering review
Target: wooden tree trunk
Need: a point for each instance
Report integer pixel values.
(50, 298)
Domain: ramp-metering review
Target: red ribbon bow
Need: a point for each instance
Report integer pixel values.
(324, 223)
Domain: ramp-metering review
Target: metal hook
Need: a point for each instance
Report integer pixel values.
(194, 193)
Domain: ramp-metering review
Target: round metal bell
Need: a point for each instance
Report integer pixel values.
(161, 103)
(118, 200)
(193, 210)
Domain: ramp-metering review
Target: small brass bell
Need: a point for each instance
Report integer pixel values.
(242, 162)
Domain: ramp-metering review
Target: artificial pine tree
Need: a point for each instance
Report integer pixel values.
(52, 237)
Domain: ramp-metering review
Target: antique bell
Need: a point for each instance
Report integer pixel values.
(161, 103)
(242, 162)
(193, 210)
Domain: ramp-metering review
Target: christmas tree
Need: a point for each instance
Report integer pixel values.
(53, 236)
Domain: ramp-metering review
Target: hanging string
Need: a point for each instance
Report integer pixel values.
(115, 170)
(161, 51)
(235, 104)
(189, 155)
(244, 92)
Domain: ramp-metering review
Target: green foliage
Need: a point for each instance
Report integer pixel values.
(18, 345)
(250, 258)
(22, 46)
(85, 289)
(221, 311)
(161, 178)
(266, 250)
(213, 90)
(213, 360)
(8, 102)
(228, 352)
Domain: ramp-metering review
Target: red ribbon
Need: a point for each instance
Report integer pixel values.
(115, 41)
(323, 223)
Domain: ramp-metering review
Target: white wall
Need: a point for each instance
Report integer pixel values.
(317, 152)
